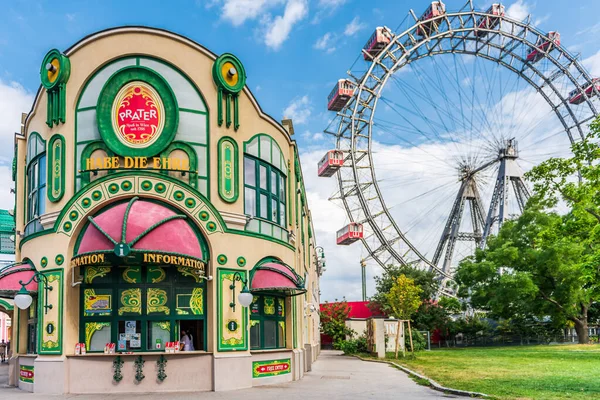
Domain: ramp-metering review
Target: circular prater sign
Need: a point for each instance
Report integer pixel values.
(138, 115)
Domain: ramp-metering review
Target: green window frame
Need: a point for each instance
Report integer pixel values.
(267, 322)
(264, 191)
(36, 172)
(158, 298)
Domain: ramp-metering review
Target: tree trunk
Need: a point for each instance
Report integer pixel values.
(581, 326)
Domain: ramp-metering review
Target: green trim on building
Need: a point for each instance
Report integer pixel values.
(8, 307)
(224, 276)
(50, 340)
(56, 168)
(228, 169)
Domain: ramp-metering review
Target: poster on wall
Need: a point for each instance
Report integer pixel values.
(263, 369)
(130, 327)
(26, 373)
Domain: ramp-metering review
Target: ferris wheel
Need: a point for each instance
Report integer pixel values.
(436, 125)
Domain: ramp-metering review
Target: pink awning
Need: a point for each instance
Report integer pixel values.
(148, 226)
(11, 275)
(276, 276)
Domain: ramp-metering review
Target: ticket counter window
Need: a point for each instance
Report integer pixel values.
(141, 308)
(267, 322)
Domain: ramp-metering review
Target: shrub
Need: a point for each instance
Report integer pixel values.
(419, 341)
(352, 346)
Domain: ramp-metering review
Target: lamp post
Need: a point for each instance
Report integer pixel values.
(245, 297)
(23, 298)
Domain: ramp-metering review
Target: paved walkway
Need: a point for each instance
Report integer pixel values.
(332, 377)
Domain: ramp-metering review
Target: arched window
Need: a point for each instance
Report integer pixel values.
(265, 186)
(36, 183)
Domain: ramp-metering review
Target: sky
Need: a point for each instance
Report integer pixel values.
(293, 51)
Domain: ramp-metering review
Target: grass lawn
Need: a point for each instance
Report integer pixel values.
(527, 372)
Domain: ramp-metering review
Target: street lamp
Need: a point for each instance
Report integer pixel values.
(245, 297)
(23, 299)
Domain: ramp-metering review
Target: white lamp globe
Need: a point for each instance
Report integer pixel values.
(245, 298)
(23, 299)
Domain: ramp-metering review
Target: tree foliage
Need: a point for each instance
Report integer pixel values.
(404, 298)
(546, 264)
(333, 321)
(383, 284)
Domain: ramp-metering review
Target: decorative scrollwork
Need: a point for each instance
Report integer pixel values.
(161, 363)
(132, 301)
(91, 328)
(117, 367)
(139, 366)
(95, 272)
(157, 300)
(189, 272)
(197, 301)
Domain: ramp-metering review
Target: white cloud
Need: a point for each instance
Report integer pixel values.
(331, 3)
(308, 135)
(70, 17)
(325, 43)
(278, 29)
(354, 26)
(298, 110)
(518, 10)
(14, 100)
(239, 11)
(592, 64)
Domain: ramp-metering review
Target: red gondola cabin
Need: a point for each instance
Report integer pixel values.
(576, 96)
(349, 234)
(377, 42)
(543, 46)
(490, 21)
(330, 163)
(436, 9)
(339, 96)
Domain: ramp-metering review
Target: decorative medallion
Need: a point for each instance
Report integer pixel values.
(54, 74)
(230, 77)
(222, 259)
(241, 261)
(137, 113)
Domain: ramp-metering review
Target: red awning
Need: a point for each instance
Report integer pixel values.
(147, 226)
(274, 275)
(11, 275)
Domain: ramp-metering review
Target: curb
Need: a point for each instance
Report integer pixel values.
(433, 384)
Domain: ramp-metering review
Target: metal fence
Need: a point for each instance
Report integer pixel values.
(504, 340)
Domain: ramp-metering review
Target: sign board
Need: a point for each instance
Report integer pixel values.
(26, 373)
(263, 369)
(138, 114)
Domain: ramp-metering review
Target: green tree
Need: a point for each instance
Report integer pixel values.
(383, 284)
(537, 266)
(333, 321)
(546, 264)
(404, 298)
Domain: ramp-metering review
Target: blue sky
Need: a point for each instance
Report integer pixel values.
(293, 52)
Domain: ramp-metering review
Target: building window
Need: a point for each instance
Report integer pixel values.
(264, 191)
(141, 308)
(36, 183)
(267, 322)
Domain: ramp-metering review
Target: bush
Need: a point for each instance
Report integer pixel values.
(352, 346)
(348, 346)
(419, 341)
